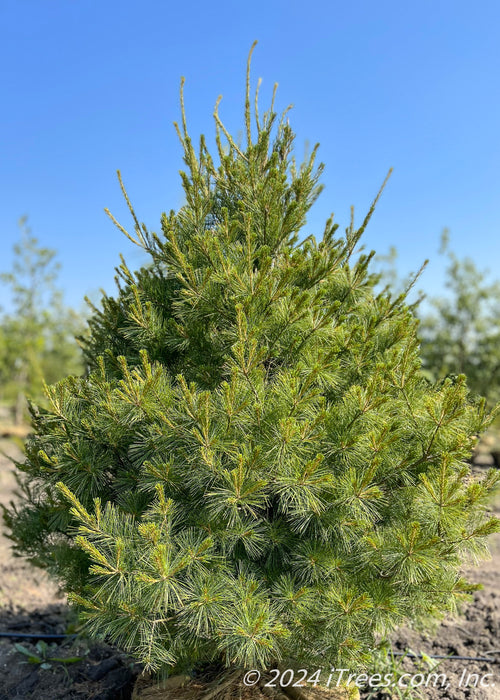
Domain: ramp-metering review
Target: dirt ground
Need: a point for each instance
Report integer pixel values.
(30, 604)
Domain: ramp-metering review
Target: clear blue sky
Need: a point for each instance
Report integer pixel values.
(90, 86)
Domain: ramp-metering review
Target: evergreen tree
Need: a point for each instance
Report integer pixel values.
(254, 470)
(37, 329)
(461, 332)
(460, 329)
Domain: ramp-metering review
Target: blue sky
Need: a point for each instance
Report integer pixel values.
(90, 86)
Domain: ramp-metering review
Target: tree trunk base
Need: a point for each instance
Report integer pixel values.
(232, 688)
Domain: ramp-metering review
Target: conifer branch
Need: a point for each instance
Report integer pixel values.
(256, 106)
(123, 230)
(247, 98)
(225, 131)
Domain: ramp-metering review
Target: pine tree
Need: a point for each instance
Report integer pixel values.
(254, 470)
(461, 331)
(37, 331)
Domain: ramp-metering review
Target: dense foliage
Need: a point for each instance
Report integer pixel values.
(254, 469)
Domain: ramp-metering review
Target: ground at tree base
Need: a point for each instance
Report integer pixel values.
(230, 686)
(29, 603)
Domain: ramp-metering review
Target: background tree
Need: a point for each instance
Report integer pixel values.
(460, 330)
(36, 330)
(254, 469)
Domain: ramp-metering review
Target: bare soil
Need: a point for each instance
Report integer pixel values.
(31, 604)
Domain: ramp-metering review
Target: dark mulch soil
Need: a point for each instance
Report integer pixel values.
(100, 673)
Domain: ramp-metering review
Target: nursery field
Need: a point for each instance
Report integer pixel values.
(31, 604)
